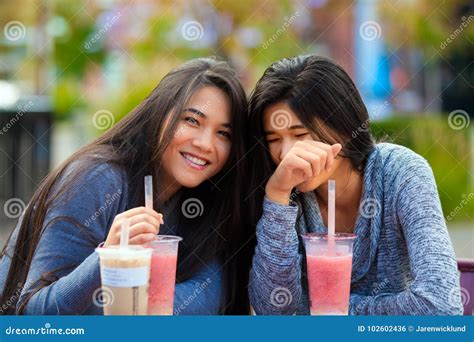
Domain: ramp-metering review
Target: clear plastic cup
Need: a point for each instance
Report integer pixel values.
(329, 267)
(162, 274)
(125, 274)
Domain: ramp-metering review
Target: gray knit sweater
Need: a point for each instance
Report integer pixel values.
(403, 260)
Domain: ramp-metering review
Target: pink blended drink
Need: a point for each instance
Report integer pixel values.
(329, 265)
(162, 274)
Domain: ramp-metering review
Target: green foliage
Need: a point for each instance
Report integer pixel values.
(66, 98)
(447, 151)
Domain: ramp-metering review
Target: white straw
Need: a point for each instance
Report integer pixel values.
(331, 207)
(124, 233)
(149, 192)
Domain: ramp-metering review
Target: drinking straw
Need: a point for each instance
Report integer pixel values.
(124, 233)
(331, 207)
(149, 192)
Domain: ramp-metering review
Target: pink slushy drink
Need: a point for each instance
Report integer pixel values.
(162, 274)
(329, 266)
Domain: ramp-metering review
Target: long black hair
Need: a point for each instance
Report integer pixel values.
(319, 92)
(136, 144)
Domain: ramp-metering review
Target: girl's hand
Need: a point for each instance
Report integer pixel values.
(306, 159)
(144, 226)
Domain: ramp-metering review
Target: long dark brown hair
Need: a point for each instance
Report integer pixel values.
(318, 91)
(136, 144)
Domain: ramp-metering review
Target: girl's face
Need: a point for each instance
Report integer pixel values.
(202, 140)
(282, 130)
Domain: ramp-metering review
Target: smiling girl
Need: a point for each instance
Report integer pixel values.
(187, 134)
(308, 125)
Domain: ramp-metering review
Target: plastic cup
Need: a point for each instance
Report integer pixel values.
(162, 274)
(125, 274)
(329, 267)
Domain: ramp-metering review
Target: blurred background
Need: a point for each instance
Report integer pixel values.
(69, 70)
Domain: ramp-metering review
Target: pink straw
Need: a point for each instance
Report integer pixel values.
(331, 207)
(149, 192)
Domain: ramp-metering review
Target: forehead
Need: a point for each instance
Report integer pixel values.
(210, 100)
(279, 116)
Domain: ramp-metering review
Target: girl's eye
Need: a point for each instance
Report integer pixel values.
(191, 120)
(271, 140)
(301, 135)
(225, 134)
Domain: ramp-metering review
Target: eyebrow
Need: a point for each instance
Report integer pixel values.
(292, 127)
(204, 116)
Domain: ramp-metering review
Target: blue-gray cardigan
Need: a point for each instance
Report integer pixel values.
(403, 260)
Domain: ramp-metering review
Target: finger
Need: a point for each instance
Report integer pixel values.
(316, 159)
(140, 210)
(323, 150)
(316, 144)
(328, 159)
(336, 148)
(145, 218)
(332, 151)
(142, 239)
(143, 228)
(296, 163)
